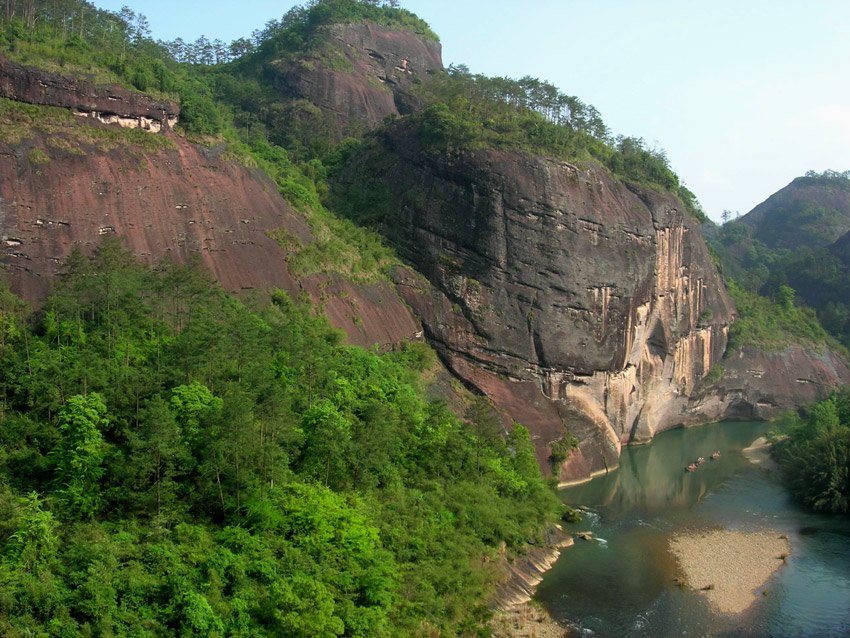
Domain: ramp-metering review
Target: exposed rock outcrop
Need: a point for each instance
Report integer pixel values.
(567, 296)
(108, 103)
(581, 305)
(180, 202)
(762, 384)
(524, 573)
(359, 73)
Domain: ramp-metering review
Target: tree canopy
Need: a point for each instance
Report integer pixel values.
(177, 463)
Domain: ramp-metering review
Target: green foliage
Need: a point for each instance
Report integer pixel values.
(771, 325)
(198, 114)
(80, 454)
(829, 178)
(37, 157)
(254, 476)
(74, 36)
(33, 545)
(714, 374)
(470, 112)
(300, 23)
(561, 448)
(570, 515)
(815, 455)
(193, 407)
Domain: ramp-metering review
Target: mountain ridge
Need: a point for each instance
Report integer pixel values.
(596, 383)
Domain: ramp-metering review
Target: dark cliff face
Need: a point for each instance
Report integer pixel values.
(108, 103)
(598, 295)
(360, 73)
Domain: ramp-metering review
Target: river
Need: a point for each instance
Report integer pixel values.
(624, 585)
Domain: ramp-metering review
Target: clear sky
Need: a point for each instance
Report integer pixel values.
(744, 95)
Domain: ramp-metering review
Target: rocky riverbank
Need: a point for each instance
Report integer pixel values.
(525, 572)
(515, 616)
(526, 621)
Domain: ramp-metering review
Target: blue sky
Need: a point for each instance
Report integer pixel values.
(744, 95)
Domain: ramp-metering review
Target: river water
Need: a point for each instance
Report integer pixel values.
(624, 585)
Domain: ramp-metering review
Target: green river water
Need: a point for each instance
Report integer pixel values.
(624, 585)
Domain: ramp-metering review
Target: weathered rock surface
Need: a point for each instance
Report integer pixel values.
(760, 384)
(565, 295)
(524, 573)
(576, 302)
(177, 203)
(108, 103)
(360, 73)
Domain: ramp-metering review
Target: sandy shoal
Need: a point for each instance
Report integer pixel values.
(759, 454)
(736, 563)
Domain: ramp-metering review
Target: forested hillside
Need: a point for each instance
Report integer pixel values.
(792, 247)
(175, 462)
(178, 460)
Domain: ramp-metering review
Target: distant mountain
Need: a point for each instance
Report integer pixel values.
(841, 249)
(813, 210)
(798, 237)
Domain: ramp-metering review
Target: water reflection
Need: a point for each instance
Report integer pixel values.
(625, 587)
(653, 477)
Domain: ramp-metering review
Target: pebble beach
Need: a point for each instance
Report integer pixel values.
(729, 567)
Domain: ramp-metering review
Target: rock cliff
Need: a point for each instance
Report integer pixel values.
(583, 306)
(760, 384)
(569, 297)
(62, 185)
(359, 73)
(107, 103)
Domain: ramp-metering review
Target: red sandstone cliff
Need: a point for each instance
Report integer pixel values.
(177, 201)
(566, 296)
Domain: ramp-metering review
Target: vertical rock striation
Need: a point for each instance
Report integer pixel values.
(571, 298)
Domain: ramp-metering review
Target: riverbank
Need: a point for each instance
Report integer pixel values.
(729, 567)
(524, 573)
(526, 621)
(759, 454)
(515, 616)
(586, 479)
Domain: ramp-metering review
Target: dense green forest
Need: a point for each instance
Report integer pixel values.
(813, 449)
(178, 463)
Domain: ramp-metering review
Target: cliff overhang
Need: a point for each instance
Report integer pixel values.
(108, 103)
